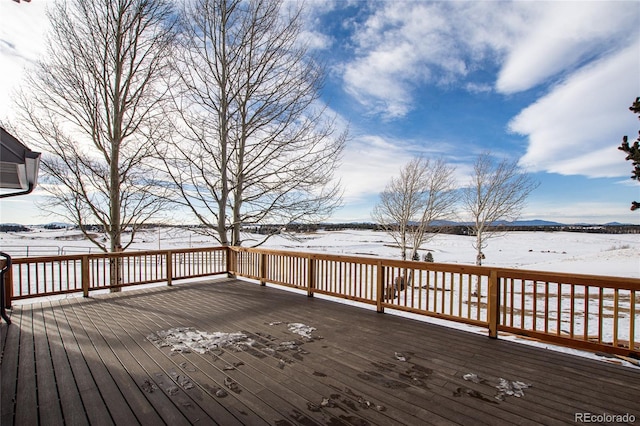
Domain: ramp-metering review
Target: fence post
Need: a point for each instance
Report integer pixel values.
(263, 269)
(231, 259)
(115, 269)
(8, 286)
(311, 276)
(169, 260)
(84, 265)
(379, 287)
(493, 304)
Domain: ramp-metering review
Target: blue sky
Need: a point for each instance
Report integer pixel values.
(545, 83)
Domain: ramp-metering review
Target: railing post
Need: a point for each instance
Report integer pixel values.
(115, 269)
(311, 276)
(85, 275)
(379, 287)
(169, 260)
(493, 304)
(231, 262)
(263, 269)
(8, 284)
(8, 288)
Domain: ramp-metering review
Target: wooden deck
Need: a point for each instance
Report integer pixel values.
(91, 361)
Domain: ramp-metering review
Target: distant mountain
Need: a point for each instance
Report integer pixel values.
(534, 222)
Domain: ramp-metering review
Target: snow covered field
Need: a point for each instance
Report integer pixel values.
(601, 254)
(571, 252)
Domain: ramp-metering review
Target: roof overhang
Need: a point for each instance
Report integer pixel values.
(18, 165)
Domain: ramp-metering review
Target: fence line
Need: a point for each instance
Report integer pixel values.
(51, 275)
(584, 311)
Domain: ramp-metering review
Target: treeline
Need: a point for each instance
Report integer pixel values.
(446, 229)
(304, 228)
(592, 229)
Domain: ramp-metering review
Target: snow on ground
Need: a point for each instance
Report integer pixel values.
(570, 252)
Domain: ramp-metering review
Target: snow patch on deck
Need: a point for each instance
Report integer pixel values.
(188, 339)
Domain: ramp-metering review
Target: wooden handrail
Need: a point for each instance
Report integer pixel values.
(51, 275)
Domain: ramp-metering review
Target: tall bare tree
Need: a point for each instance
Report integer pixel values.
(255, 146)
(423, 194)
(497, 191)
(94, 107)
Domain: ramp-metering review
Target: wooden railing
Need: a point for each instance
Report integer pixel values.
(584, 311)
(52, 275)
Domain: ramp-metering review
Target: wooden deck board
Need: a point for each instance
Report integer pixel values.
(89, 361)
(49, 401)
(213, 377)
(162, 371)
(101, 371)
(9, 376)
(146, 321)
(131, 377)
(92, 403)
(70, 401)
(151, 378)
(26, 382)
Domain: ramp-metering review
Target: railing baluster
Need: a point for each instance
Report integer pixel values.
(535, 306)
(523, 306)
(632, 320)
(573, 311)
(451, 293)
(379, 287)
(546, 306)
(586, 313)
(559, 310)
(616, 313)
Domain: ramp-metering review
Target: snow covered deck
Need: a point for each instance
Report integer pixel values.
(231, 352)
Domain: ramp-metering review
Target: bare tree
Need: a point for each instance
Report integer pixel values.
(423, 194)
(94, 108)
(255, 147)
(497, 191)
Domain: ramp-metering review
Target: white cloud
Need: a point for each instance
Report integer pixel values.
(576, 127)
(370, 161)
(21, 43)
(316, 40)
(559, 35)
(478, 87)
(404, 45)
(368, 164)
(398, 47)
